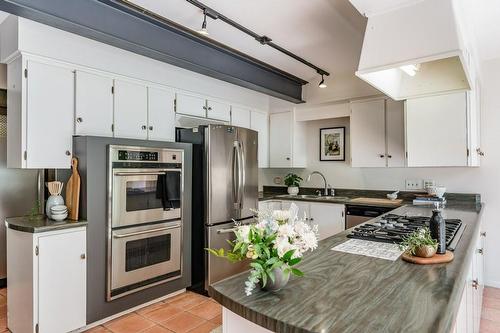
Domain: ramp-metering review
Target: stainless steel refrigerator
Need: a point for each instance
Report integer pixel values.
(225, 190)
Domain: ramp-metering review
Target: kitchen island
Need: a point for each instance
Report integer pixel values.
(343, 292)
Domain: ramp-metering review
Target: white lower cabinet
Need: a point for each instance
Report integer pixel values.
(47, 281)
(468, 317)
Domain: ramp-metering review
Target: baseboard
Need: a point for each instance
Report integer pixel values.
(135, 308)
(491, 283)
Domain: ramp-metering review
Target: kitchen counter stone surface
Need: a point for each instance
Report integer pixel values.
(40, 223)
(343, 292)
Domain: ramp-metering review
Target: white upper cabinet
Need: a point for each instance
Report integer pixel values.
(436, 130)
(395, 133)
(190, 105)
(368, 134)
(287, 138)
(218, 110)
(474, 126)
(40, 118)
(93, 104)
(240, 117)
(259, 122)
(131, 110)
(161, 115)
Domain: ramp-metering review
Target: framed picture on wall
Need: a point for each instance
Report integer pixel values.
(332, 144)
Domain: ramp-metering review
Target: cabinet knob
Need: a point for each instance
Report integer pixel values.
(150, 128)
(205, 108)
(389, 156)
(311, 219)
(480, 251)
(475, 284)
(82, 256)
(480, 152)
(143, 127)
(483, 234)
(381, 155)
(68, 153)
(209, 108)
(288, 158)
(79, 120)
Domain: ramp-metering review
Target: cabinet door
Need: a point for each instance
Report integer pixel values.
(328, 217)
(474, 125)
(218, 110)
(436, 130)
(240, 117)
(161, 115)
(49, 113)
(93, 104)
(368, 134)
(303, 213)
(280, 140)
(190, 105)
(260, 122)
(395, 133)
(131, 110)
(62, 282)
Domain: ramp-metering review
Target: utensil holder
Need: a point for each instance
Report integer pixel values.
(53, 200)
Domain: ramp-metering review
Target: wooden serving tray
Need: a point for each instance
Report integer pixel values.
(375, 201)
(436, 259)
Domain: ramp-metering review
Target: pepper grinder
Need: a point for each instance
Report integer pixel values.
(437, 226)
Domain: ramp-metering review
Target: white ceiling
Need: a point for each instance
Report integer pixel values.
(328, 33)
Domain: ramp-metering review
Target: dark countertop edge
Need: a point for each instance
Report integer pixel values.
(445, 325)
(24, 224)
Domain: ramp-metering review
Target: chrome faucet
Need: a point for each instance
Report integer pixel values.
(322, 176)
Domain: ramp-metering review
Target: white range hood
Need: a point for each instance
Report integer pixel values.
(414, 51)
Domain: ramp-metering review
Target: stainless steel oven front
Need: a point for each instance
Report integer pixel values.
(145, 189)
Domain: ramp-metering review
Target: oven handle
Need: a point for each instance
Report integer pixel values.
(146, 231)
(144, 173)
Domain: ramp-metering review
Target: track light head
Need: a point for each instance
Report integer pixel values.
(203, 30)
(322, 83)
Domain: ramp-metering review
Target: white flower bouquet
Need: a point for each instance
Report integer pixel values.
(274, 245)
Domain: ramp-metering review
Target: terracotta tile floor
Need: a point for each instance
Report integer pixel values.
(490, 316)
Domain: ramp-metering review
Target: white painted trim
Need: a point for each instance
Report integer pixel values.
(135, 308)
(492, 283)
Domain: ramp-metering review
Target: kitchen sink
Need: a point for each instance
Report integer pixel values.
(314, 197)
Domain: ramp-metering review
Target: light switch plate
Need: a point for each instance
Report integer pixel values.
(414, 184)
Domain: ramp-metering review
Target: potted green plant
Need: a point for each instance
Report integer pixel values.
(420, 244)
(293, 180)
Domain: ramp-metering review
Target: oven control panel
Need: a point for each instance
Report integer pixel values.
(122, 154)
(130, 155)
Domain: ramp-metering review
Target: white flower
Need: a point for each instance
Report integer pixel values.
(282, 216)
(243, 233)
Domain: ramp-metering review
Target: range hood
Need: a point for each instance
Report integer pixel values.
(415, 51)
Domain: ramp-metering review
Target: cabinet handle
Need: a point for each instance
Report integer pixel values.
(150, 128)
(205, 108)
(483, 234)
(480, 152)
(480, 251)
(475, 284)
(79, 120)
(82, 256)
(143, 127)
(68, 153)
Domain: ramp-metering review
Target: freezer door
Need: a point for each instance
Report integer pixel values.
(250, 182)
(222, 174)
(220, 268)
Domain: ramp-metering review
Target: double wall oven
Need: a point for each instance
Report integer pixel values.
(145, 188)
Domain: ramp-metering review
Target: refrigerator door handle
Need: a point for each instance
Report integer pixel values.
(242, 167)
(236, 175)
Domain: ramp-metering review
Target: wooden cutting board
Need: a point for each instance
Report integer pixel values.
(436, 259)
(73, 191)
(379, 201)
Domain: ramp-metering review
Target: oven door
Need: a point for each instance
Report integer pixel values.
(145, 255)
(139, 196)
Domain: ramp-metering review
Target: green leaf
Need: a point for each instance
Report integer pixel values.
(294, 261)
(257, 266)
(271, 261)
(271, 275)
(297, 272)
(264, 279)
(287, 256)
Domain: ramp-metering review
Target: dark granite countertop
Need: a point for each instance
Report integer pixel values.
(40, 223)
(343, 292)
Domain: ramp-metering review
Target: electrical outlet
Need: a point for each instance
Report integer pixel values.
(413, 184)
(429, 183)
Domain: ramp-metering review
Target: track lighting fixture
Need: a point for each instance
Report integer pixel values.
(322, 83)
(203, 30)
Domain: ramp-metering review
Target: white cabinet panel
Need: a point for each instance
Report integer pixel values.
(240, 117)
(260, 122)
(49, 116)
(280, 139)
(368, 133)
(436, 130)
(93, 104)
(474, 125)
(270, 205)
(131, 110)
(218, 110)
(62, 282)
(395, 133)
(190, 105)
(328, 217)
(303, 212)
(161, 115)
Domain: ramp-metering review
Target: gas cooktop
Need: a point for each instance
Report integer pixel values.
(391, 228)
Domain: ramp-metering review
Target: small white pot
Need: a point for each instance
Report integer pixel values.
(293, 190)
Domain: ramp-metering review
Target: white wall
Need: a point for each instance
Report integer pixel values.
(484, 180)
